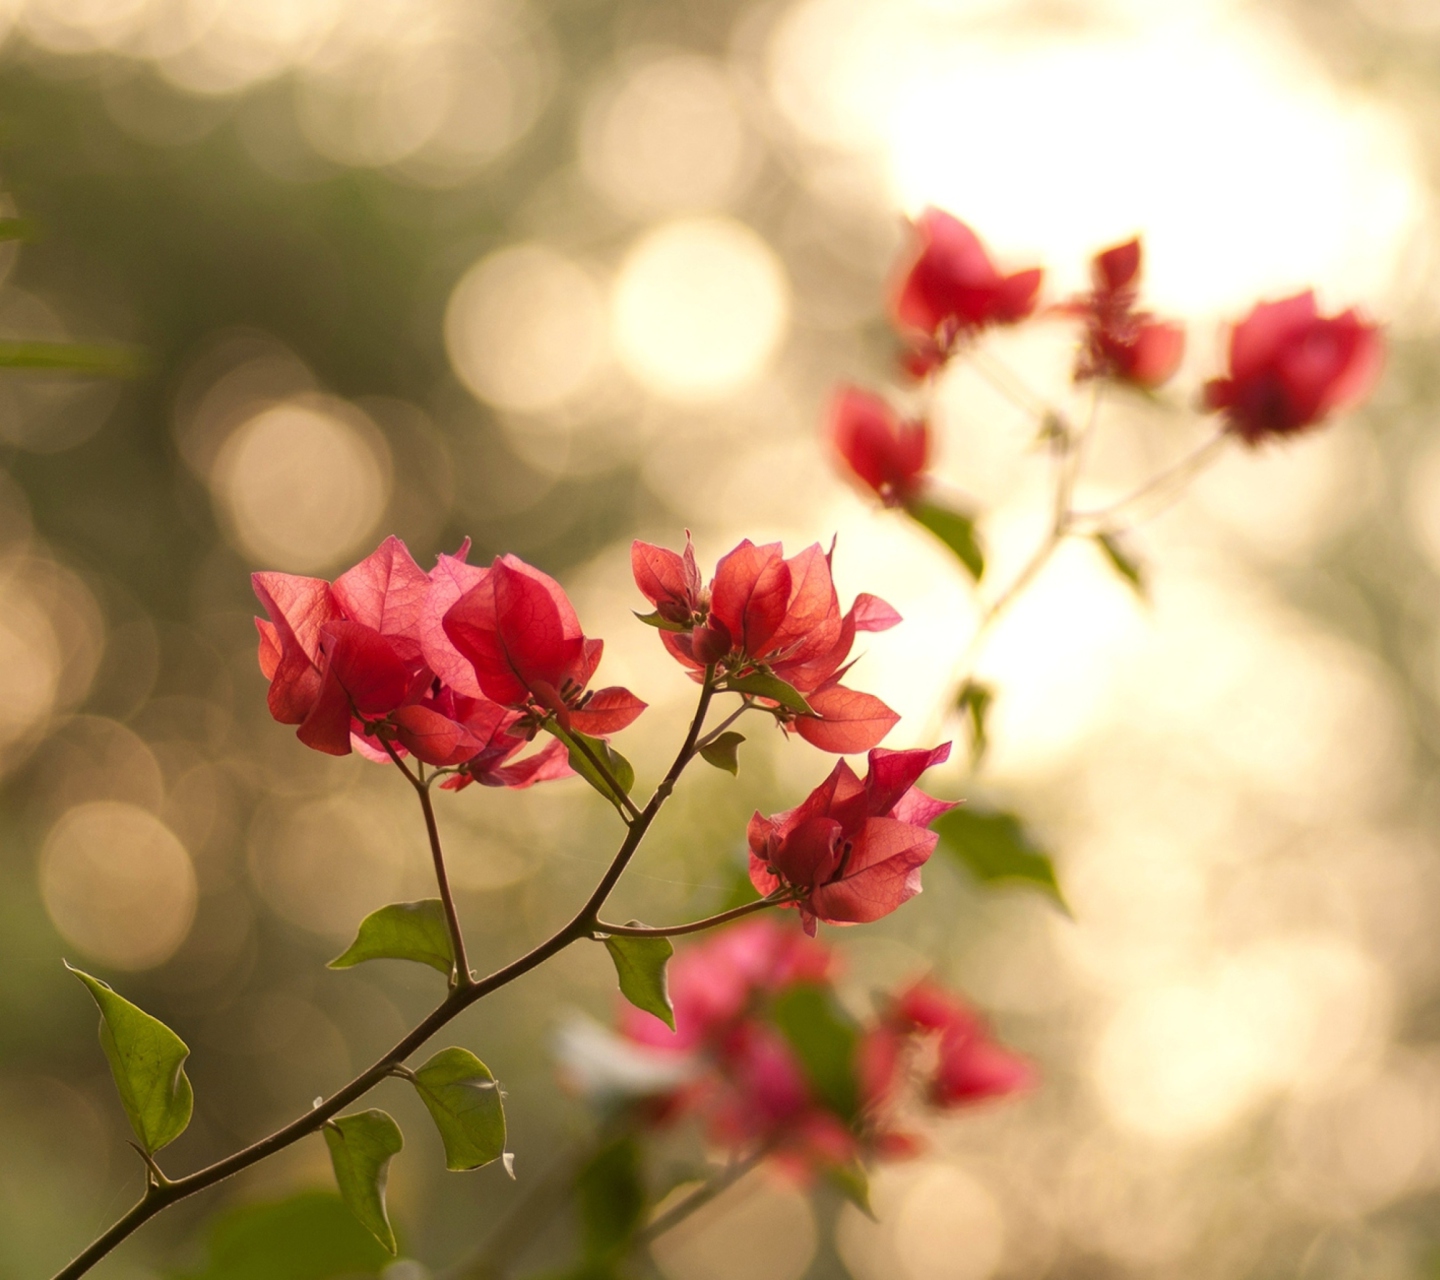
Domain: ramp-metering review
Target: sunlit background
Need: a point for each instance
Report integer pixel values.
(552, 275)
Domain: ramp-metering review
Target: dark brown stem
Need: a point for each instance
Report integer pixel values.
(461, 997)
(461, 976)
(695, 926)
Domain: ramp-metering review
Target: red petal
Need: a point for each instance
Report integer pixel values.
(849, 722)
(660, 574)
(387, 592)
(886, 454)
(450, 579)
(546, 765)
(1257, 339)
(269, 648)
(367, 667)
(893, 773)
(607, 711)
(434, 738)
(870, 613)
(327, 726)
(751, 594)
(1118, 267)
(1154, 355)
(883, 871)
(809, 853)
(811, 624)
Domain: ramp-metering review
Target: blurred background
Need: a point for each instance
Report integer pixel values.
(557, 274)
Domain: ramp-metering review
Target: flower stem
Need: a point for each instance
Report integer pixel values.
(700, 1197)
(695, 926)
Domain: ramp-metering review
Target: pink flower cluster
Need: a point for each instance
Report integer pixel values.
(1289, 367)
(748, 1085)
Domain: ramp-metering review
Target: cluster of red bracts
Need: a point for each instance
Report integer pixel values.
(1289, 366)
(749, 1089)
(762, 612)
(457, 667)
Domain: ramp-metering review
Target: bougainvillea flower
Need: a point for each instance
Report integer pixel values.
(886, 454)
(949, 290)
(1120, 342)
(851, 852)
(1290, 367)
(520, 635)
(970, 1065)
(765, 613)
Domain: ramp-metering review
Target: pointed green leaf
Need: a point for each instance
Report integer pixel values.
(1121, 560)
(724, 752)
(825, 1041)
(403, 931)
(973, 702)
(72, 357)
(464, 1101)
(640, 966)
(360, 1149)
(612, 1199)
(661, 624)
(852, 1182)
(147, 1060)
(996, 848)
(956, 530)
(620, 768)
(763, 685)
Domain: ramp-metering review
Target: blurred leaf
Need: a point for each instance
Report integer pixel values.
(360, 1149)
(620, 768)
(763, 685)
(973, 702)
(640, 966)
(662, 624)
(824, 1040)
(852, 1182)
(147, 1060)
(464, 1101)
(403, 931)
(996, 848)
(311, 1236)
(73, 357)
(612, 1199)
(17, 229)
(1125, 564)
(724, 752)
(956, 530)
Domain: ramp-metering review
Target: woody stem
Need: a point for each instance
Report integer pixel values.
(695, 926)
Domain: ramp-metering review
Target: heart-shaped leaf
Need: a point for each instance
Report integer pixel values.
(360, 1149)
(640, 966)
(995, 848)
(620, 768)
(724, 752)
(763, 685)
(464, 1101)
(403, 931)
(147, 1060)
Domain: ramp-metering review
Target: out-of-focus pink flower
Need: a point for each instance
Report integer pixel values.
(885, 453)
(1290, 367)
(949, 290)
(763, 612)
(519, 632)
(851, 852)
(970, 1065)
(1121, 342)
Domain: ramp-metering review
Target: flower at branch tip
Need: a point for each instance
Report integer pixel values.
(347, 663)
(521, 637)
(1290, 367)
(763, 613)
(885, 453)
(950, 290)
(851, 852)
(1120, 342)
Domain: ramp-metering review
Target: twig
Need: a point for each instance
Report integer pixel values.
(695, 926)
(700, 1197)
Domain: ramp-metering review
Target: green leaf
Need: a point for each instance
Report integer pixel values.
(464, 1101)
(973, 702)
(612, 1199)
(662, 624)
(147, 1060)
(640, 966)
(763, 685)
(956, 530)
(1125, 564)
(620, 768)
(403, 931)
(360, 1149)
(852, 1182)
(310, 1236)
(72, 357)
(724, 752)
(995, 847)
(825, 1040)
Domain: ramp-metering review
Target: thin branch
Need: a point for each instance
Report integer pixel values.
(746, 705)
(695, 926)
(581, 925)
(1173, 476)
(700, 1197)
(461, 976)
